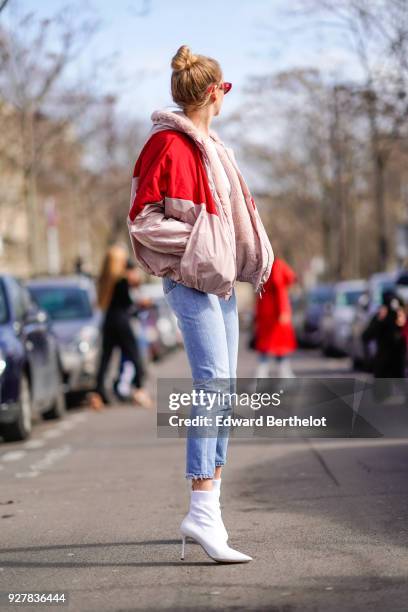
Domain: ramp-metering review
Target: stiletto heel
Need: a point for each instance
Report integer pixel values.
(183, 545)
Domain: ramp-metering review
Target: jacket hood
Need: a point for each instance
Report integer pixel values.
(177, 120)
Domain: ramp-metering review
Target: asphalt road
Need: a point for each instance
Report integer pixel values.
(91, 506)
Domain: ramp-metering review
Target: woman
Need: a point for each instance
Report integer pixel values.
(117, 276)
(194, 223)
(274, 333)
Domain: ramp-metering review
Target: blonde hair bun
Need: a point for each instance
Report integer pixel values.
(191, 76)
(184, 59)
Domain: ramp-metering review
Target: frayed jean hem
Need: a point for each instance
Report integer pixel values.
(199, 476)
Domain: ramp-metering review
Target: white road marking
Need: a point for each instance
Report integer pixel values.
(53, 455)
(67, 425)
(13, 455)
(52, 433)
(32, 444)
(60, 429)
(79, 418)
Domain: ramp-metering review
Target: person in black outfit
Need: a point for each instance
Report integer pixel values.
(117, 330)
(386, 328)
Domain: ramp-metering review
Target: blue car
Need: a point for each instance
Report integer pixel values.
(31, 382)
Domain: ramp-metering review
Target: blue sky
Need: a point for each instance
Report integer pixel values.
(246, 36)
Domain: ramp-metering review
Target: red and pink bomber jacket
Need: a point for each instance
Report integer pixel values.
(182, 221)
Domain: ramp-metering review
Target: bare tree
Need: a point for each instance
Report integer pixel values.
(61, 134)
(377, 35)
(306, 164)
(3, 4)
(30, 81)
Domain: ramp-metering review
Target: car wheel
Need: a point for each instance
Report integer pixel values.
(58, 407)
(20, 429)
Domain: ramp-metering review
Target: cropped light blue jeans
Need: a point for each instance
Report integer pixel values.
(210, 330)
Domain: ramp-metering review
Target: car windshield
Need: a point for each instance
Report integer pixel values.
(320, 295)
(348, 298)
(380, 288)
(63, 303)
(403, 280)
(3, 306)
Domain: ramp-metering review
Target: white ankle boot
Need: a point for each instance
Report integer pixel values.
(203, 524)
(217, 493)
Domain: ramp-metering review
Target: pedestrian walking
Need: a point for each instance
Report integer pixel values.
(127, 377)
(274, 336)
(117, 276)
(194, 223)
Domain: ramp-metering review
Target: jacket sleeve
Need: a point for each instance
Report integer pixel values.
(162, 234)
(148, 223)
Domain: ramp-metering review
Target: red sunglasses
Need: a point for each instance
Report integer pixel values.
(224, 86)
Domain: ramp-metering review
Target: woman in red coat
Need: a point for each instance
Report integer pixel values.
(274, 333)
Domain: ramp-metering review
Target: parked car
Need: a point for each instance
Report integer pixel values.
(157, 327)
(308, 311)
(30, 368)
(71, 305)
(338, 315)
(368, 304)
